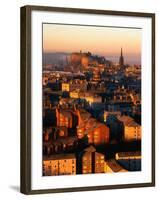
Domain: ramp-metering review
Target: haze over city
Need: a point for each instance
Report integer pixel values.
(91, 100)
(104, 41)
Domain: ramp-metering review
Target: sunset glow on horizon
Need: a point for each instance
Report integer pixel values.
(105, 41)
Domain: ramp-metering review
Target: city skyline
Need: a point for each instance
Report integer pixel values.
(91, 105)
(105, 41)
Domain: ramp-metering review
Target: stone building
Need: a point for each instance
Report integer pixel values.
(132, 130)
(92, 161)
(97, 132)
(66, 117)
(60, 164)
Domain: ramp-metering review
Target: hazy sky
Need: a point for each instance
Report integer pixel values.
(105, 41)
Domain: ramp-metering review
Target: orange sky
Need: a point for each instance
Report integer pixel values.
(105, 41)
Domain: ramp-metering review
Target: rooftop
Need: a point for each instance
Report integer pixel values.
(128, 155)
(84, 114)
(128, 121)
(90, 149)
(66, 113)
(62, 140)
(115, 167)
(59, 157)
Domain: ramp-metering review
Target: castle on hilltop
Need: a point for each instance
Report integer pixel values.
(85, 59)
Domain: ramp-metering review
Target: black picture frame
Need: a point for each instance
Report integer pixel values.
(25, 182)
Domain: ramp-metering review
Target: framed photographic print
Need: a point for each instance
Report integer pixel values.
(87, 99)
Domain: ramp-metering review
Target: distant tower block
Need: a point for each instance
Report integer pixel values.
(121, 59)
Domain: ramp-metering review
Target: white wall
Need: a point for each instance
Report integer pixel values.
(10, 103)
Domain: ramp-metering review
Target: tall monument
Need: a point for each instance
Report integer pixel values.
(121, 59)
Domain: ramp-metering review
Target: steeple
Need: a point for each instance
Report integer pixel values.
(121, 59)
(121, 53)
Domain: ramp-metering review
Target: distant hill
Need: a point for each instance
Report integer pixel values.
(55, 58)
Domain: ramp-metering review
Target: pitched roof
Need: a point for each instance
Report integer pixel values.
(128, 121)
(59, 157)
(90, 149)
(115, 167)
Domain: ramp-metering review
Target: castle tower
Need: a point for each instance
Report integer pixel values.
(121, 59)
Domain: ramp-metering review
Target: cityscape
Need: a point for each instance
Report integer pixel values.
(91, 103)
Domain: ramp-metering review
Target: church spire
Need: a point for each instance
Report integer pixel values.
(121, 59)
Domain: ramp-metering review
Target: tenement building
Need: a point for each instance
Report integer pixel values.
(92, 161)
(132, 130)
(86, 125)
(59, 164)
(97, 132)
